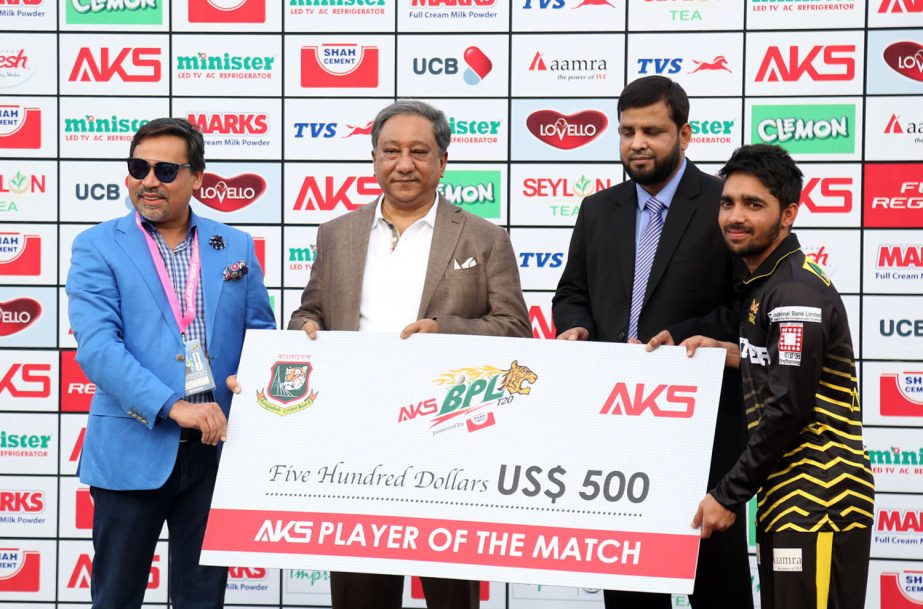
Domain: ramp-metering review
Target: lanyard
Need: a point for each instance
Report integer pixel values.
(192, 282)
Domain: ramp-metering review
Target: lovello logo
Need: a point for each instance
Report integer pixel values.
(314, 197)
(901, 394)
(672, 401)
(893, 195)
(20, 255)
(18, 314)
(114, 12)
(19, 570)
(828, 195)
(475, 191)
(21, 502)
(15, 67)
(900, 6)
(821, 63)
(478, 64)
(806, 129)
(567, 131)
(230, 123)
(288, 388)
(905, 58)
(230, 194)
(76, 389)
(224, 66)
(902, 590)
(20, 127)
(571, 68)
(129, 65)
(339, 65)
(471, 396)
(227, 11)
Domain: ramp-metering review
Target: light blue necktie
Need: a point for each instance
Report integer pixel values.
(644, 258)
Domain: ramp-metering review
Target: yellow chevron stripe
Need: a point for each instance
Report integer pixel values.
(855, 508)
(819, 428)
(838, 417)
(752, 425)
(830, 400)
(766, 495)
(845, 375)
(843, 360)
(804, 494)
(815, 463)
(819, 448)
(855, 525)
(836, 387)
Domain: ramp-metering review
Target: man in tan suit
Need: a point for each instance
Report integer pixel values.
(411, 262)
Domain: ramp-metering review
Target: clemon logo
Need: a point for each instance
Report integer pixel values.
(808, 129)
(476, 191)
(472, 397)
(114, 12)
(288, 383)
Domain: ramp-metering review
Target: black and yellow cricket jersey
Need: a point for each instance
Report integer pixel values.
(804, 457)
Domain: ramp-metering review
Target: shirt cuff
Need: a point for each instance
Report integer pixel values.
(168, 405)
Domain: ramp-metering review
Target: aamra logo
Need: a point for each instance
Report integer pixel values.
(339, 65)
(472, 396)
(287, 391)
(901, 394)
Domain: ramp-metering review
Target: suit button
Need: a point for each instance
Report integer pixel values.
(621, 336)
(180, 357)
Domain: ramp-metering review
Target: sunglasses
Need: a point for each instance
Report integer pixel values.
(163, 171)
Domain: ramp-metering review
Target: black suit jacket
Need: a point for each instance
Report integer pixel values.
(692, 274)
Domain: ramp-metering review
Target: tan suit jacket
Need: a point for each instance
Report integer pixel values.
(484, 299)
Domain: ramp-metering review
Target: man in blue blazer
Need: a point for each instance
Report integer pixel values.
(159, 302)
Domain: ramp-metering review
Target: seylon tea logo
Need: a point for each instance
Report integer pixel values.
(567, 131)
(807, 128)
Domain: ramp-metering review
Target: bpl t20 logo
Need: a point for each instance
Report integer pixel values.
(288, 389)
(472, 396)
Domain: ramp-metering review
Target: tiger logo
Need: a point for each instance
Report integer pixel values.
(516, 376)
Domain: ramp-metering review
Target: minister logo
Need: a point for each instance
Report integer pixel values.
(114, 12)
(473, 396)
(806, 129)
(224, 66)
(288, 388)
(227, 11)
(339, 65)
(20, 127)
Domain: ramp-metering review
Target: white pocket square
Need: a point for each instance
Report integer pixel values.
(470, 263)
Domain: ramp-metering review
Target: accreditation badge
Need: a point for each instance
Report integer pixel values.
(199, 376)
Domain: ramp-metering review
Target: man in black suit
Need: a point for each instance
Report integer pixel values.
(646, 255)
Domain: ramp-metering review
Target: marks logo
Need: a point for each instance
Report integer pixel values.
(19, 570)
(20, 255)
(901, 395)
(18, 314)
(339, 65)
(20, 127)
(230, 123)
(903, 590)
(567, 131)
(230, 194)
(227, 11)
(472, 396)
(288, 383)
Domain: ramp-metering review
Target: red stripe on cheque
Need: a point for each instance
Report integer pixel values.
(453, 541)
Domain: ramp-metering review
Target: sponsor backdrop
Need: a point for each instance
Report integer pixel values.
(285, 91)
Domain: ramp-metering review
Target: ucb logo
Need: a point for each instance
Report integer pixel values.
(674, 401)
(97, 192)
(435, 65)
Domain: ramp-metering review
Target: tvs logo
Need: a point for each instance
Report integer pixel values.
(230, 194)
(901, 395)
(20, 255)
(76, 389)
(718, 63)
(329, 130)
(551, 260)
(20, 127)
(671, 401)
(900, 6)
(19, 570)
(902, 590)
(822, 63)
(230, 123)
(227, 11)
(22, 502)
(29, 380)
(288, 383)
(905, 58)
(312, 197)
(471, 396)
(339, 65)
(83, 572)
(567, 131)
(660, 65)
(827, 195)
(143, 65)
(893, 195)
(18, 314)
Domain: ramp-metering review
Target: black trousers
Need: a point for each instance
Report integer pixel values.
(374, 591)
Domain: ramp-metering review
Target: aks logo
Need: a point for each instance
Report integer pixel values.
(821, 63)
(472, 397)
(671, 401)
(227, 11)
(567, 131)
(339, 65)
(901, 395)
(19, 570)
(230, 194)
(905, 58)
(15, 67)
(129, 65)
(313, 197)
(20, 255)
(900, 6)
(902, 590)
(18, 314)
(230, 123)
(828, 195)
(715, 65)
(288, 383)
(20, 127)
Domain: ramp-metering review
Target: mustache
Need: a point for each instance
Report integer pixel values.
(737, 227)
(157, 191)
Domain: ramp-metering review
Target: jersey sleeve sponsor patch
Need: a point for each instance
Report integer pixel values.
(783, 314)
(791, 337)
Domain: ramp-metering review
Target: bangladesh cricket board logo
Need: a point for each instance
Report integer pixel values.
(287, 391)
(472, 396)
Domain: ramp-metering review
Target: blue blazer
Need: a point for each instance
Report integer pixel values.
(129, 345)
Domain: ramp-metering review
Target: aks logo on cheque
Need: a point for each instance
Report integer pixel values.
(472, 396)
(288, 389)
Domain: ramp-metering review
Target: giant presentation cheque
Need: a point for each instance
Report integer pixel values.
(506, 459)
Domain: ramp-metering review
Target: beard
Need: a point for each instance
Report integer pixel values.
(658, 174)
(758, 244)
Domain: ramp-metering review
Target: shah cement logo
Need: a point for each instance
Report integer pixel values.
(227, 11)
(288, 388)
(806, 129)
(230, 194)
(20, 127)
(15, 67)
(567, 132)
(472, 397)
(474, 191)
(224, 66)
(19, 570)
(339, 65)
(901, 394)
(114, 12)
(20, 255)
(902, 590)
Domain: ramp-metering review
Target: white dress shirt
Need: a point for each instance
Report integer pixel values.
(395, 269)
